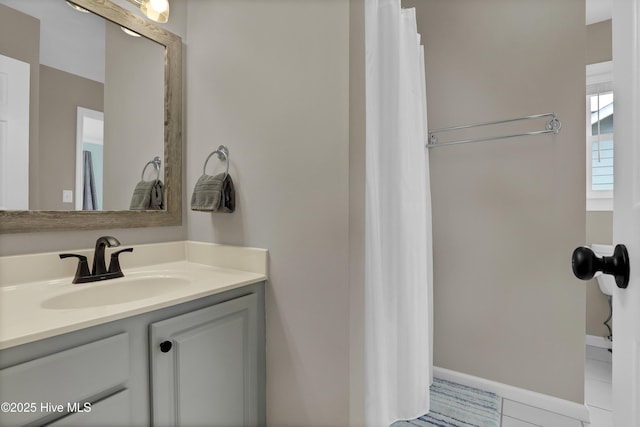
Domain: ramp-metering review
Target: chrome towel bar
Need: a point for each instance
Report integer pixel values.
(552, 126)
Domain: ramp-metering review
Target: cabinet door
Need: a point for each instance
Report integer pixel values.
(208, 375)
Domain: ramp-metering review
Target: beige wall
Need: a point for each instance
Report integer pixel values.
(599, 42)
(134, 113)
(270, 79)
(60, 95)
(507, 214)
(357, 152)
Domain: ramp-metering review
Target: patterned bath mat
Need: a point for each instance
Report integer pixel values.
(456, 405)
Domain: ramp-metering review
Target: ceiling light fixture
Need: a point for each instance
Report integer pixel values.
(76, 7)
(130, 32)
(156, 10)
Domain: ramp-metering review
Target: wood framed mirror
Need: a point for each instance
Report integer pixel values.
(33, 220)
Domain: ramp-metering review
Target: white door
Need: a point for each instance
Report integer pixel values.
(626, 219)
(14, 134)
(89, 136)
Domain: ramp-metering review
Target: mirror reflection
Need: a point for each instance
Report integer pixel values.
(84, 120)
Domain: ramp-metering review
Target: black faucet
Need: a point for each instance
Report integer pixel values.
(99, 266)
(99, 271)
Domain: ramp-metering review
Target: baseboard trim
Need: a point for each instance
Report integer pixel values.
(597, 341)
(549, 403)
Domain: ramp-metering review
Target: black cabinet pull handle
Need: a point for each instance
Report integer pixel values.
(586, 264)
(165, 346)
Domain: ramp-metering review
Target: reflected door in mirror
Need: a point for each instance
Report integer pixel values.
(14, 134)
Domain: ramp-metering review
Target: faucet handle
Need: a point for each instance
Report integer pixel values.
(114, 264)
(83, 266)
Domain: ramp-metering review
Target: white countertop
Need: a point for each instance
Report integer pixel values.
(28, 312)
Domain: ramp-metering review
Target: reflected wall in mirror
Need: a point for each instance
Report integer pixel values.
(87, 62)
(134, 82)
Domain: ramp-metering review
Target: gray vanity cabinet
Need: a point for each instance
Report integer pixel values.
(115, 374)
(114, 411)
(205, 366)
(74, 380)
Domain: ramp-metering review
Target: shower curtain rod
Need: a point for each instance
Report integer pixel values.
(552, 126)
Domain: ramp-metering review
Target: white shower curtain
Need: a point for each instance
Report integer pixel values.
(398, 253)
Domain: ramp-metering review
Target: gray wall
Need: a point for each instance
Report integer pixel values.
(271, 81)
(507, 214)
(599, 224)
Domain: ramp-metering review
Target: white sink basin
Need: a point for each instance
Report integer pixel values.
(115, 291)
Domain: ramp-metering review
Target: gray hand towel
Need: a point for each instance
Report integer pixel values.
(148, 195)
(213, 194)
(157, 196)
(228, 197)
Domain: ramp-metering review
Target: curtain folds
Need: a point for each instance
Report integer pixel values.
(90, 199)
(398, 258)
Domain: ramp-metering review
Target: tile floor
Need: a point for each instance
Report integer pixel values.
(597, 397)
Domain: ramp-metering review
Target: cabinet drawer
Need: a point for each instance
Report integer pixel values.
(114, 411)
(73, 375)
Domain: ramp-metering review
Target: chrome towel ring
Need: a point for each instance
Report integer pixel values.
(223, 155)
(156, 165)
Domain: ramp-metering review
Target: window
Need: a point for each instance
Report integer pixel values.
(600, 145)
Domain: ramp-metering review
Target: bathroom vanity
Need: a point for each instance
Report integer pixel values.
(191, 352)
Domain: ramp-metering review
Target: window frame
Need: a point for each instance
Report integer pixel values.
(597, 75)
